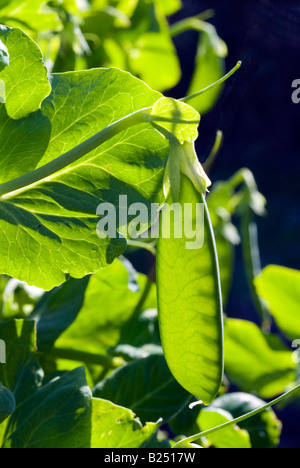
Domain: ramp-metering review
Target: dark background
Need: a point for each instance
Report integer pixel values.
(261, 128)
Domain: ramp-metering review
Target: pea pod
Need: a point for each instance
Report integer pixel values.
(190, 304)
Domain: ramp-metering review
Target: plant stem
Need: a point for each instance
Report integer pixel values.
(88, 358)
(150, 246)
(245, 176)
(76, 153)
(214, 152)
(238, 420)
(195, 23)
(217, 83)
(252, 263)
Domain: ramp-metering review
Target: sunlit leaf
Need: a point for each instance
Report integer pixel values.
(257, 362)
(280, 288)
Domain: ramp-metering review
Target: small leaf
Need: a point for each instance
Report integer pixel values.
(24, 91)
(231, 437)
(175, 118)
(117, 427)
(280, 288)
(170, 7)
(257, 362)
(264, 428)
(210, 67)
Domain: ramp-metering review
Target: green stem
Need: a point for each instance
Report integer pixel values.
(217, 83)
(252, 263)
(195, 23)
(214, 152)
(150, 246)
(237, 420)
(88, 358)
(76, 153)
(244, 176)
(139, 307)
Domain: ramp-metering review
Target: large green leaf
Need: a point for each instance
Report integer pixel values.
(146, 387)
(49, 230)
(26, 79)
(117, 427)
(190, 309)
(231, 437)
(280, 287)
(257, 362)
(57, 416)
(264, 428)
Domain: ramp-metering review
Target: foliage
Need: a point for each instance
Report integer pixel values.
(97, 354)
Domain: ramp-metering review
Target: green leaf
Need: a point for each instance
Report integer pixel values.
(26, 79)
(264, 428)
(146, 387)
(109, 303)
(31, 15)
(23, 143)
(57, 416)
(117, 427)
(231, 437)
(170, 7)
(280, 288)
(257, 362)
(51, 226)
(57, 310)
(155, 51)
(7, 403)
(151, 48)
(141, 330)
(210, 67)
(190, 309)
(175, 118)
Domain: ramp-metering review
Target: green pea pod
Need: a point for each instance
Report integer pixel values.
(190, 302)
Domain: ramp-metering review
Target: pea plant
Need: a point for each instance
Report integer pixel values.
(94, 354)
